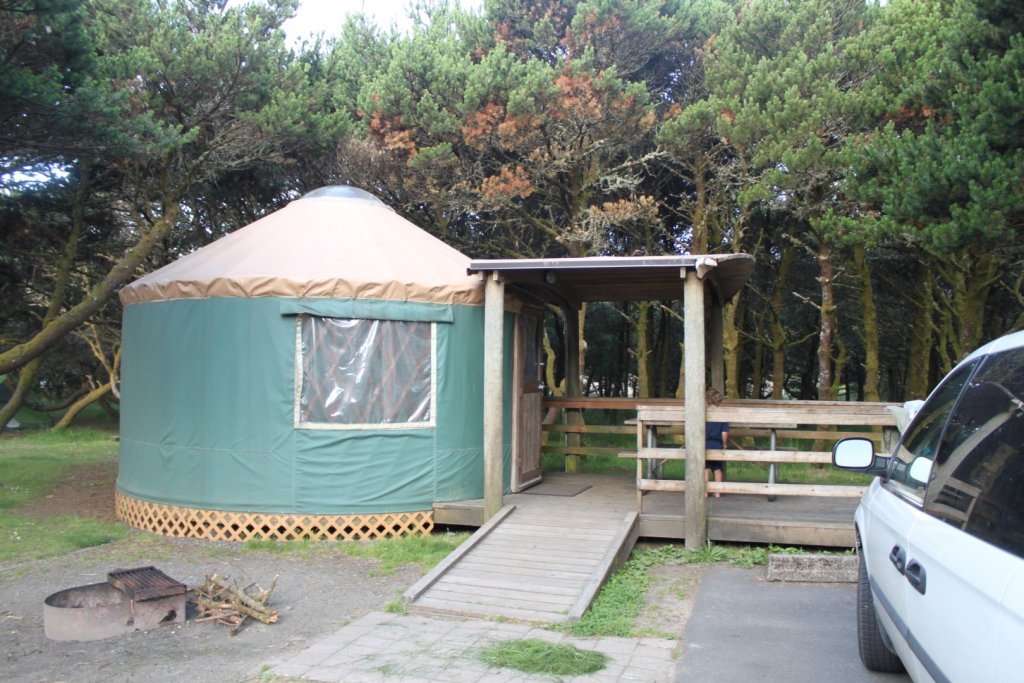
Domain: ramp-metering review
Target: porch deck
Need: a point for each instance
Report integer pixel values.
(786, 520)
(546, 553)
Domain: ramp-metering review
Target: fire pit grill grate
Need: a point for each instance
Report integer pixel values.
(145, 583)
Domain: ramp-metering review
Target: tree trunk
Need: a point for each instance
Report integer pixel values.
(809, 376)
(982, 274)
(556, 388)
(699, 219)
(735, 314)
(26, 379)
(81, 404)
(826, 275)
(664, 353)
(922, 338)
(582, 366)
(870, 333)
(681, 387)
(643, 349)
(731, 323)
(29, 369)
(757, 372)
(969, 279)
(94, 299)
(946, 338)
(777, 329)
(839, 370)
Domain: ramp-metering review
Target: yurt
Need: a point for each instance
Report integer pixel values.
(316, 374)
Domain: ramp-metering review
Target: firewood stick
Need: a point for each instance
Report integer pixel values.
(263, 596)
(227, 603)
(233, 631)
(212, 617)
(264, 615)
(248, 601)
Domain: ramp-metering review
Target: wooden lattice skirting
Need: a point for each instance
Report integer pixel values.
(223, 525)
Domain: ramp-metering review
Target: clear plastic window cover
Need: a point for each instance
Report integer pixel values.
(357, 372)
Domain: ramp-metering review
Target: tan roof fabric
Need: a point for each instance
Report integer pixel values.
(319, 246)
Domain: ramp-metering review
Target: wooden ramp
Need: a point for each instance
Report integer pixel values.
(543, 561)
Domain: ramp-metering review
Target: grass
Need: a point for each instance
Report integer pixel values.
(621, 599)
(396, 607)
(303, 549)
(535, 656)
(392, 553)
(787, 473)
(23, 538)
(32, 463)
(426, 551)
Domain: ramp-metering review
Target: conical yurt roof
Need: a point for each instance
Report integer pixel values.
(337, 242)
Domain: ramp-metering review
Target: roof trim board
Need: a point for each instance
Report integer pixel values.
(619, 278)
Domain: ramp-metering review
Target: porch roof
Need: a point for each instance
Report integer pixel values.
(575, 281)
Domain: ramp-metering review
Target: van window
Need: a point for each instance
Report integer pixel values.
(978, 481)
(922, 438)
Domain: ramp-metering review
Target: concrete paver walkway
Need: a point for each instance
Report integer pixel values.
(408, 648)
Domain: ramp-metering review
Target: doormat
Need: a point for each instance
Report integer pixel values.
(566, 490)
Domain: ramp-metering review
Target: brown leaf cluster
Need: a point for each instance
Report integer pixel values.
(510, 183)
(392, 136)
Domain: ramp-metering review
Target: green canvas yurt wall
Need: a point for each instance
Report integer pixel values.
(254, 368)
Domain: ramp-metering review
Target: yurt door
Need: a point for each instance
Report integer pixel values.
(529, 393)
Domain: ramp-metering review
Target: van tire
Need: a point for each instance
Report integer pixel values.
(872, 642)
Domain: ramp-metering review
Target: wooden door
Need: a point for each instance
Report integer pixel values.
(528, 389)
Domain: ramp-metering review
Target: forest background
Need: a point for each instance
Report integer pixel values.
(867, 154)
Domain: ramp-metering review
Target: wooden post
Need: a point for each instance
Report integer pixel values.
(716, 345)
(494, 393)
(695, 411)
(573, 416)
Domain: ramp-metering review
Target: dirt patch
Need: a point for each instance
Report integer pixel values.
(88, 491)
(670, 599)
(316, 594)
(320, 589)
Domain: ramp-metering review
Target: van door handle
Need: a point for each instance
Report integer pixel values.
(898, 557)
(916, 576)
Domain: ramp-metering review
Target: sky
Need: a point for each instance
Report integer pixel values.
(315, 16)
(327, 15)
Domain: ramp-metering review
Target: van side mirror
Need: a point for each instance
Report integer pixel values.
(857, 454)
(921, 469)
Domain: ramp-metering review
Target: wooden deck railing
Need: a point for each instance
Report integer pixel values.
(574, 441)
(808, 427)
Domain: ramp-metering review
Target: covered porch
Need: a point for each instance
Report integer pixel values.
(666, 430)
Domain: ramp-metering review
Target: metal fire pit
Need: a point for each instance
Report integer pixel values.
(131, 600)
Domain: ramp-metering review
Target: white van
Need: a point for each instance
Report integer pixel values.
(941, 529)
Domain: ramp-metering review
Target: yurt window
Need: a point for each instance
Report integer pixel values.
(354, 373)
